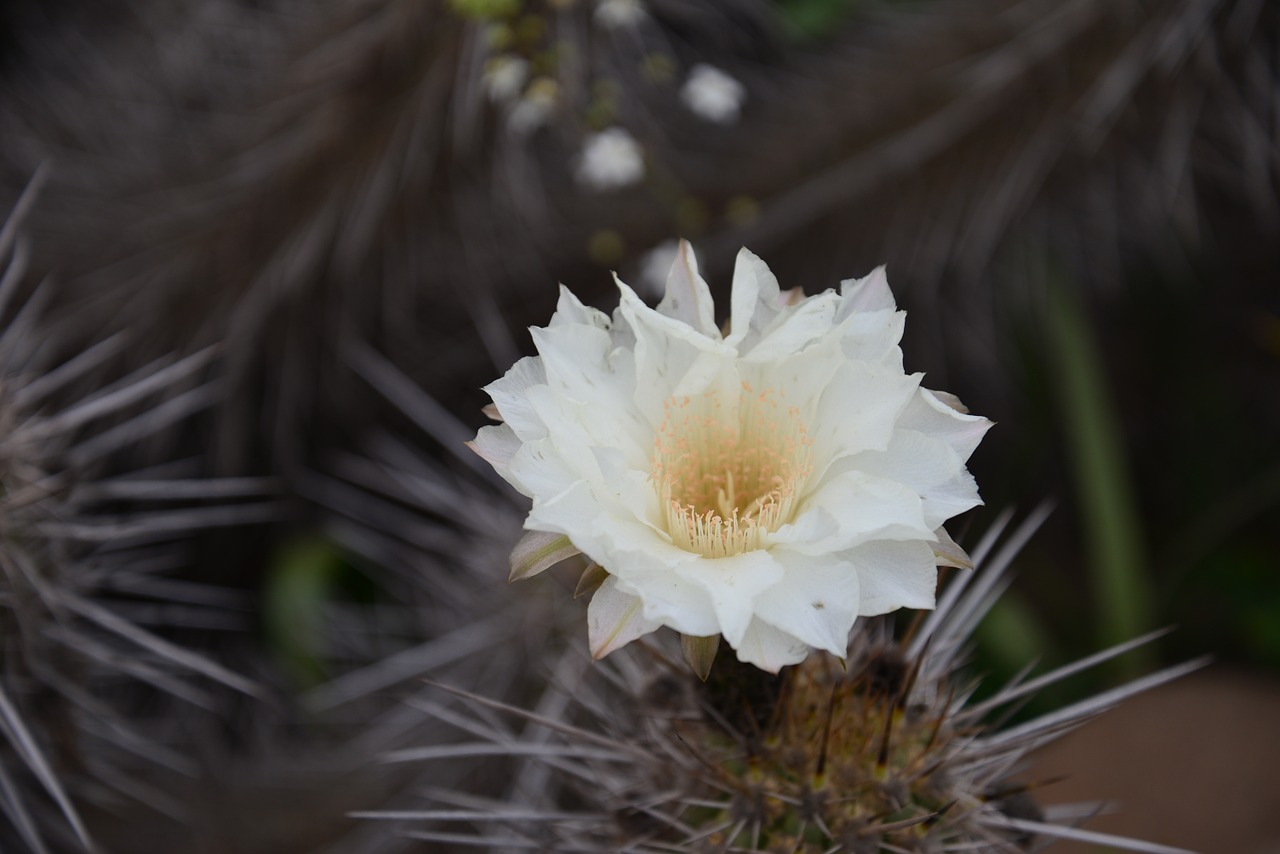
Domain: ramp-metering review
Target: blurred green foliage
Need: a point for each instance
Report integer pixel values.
(301, 582)
(813, 19)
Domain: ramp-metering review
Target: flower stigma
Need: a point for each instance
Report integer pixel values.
(729, 474)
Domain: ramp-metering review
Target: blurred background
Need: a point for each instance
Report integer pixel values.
(259, 256)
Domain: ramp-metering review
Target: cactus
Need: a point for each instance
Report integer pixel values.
(885, 752)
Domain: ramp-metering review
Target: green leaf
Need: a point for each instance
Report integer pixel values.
(1113, 533)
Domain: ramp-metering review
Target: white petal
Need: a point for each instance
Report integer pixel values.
(576, 360)
(894, 575)
(801, 378)
(509, 395)
(946, 552)
(853, 508)
(496, 444)
(732, 584)
(769, 648)
(816, 601)
(571, 311)
(643, 563)
(859, 410)
(576, 426)
(615, 619)
(873, 337)
(755, 301)
(688, 299)
(671, 358)
(933, 417)
(539, 470)
(870, 293)
(930, 468)
(794, 329)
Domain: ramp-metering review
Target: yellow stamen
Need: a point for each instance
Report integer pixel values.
(728, 475)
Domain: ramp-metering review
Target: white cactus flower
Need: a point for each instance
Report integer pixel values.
(712, 94)
(769, 486)
(611, 159)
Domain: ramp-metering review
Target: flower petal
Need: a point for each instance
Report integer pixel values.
(930, 468)
(537, 551)
(754, 303)
(851, 509)
(859, 410)
(508, 394)
(496, 444)
(794, 329)
(615, 619)
(570, 311)
(870, 293)
(732, 584)
(816, 601)
(894, 575)
(688, 299)
(934, 417)
(946, 552)
(769, 648)
(671, 358)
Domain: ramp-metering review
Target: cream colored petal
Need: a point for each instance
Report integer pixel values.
(497, 444)
(615, 619)
(794, 329)
(874, 337)
(946, 552)
(732, 584)
(576, 360)
(755, 301)
(688, 299)
(934, 417)
(894, 575)
(870, 293)
(816, 601)
(671, 358)
(570, 311)
(859, 410)
(576, 426)
(509, 394)
(539, 470)
(769, 648)
(851, 509)
(930, 468)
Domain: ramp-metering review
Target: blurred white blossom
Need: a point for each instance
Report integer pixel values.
(504, 77)
(713, 94)
(534, 109)
(613, 14)
(611, 159)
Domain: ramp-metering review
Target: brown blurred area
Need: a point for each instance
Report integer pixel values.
(1191, 764)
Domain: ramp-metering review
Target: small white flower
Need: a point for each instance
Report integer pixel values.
(504, 78)
(770, 485)
(713, 94)
(536, 106)
(614, 14)
(611, 159)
